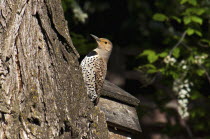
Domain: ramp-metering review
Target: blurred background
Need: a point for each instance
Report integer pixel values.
(160, 55)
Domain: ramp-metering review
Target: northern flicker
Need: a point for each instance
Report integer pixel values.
(94, 68)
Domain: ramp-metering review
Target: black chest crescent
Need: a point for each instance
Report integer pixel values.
(92, 53)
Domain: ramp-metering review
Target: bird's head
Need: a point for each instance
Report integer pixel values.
(103, 43)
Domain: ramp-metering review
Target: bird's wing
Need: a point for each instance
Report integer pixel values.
(100, 75)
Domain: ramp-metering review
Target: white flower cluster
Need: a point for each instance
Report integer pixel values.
(79, 14)
(169, 60)
(183, 64)
(200, 59)
(182, 88)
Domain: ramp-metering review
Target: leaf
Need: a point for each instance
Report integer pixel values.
(192, 114)
(200, 72)
(150, 68)
(198, 33)
(187, 20)
(192, 2)
(151, 55)
(146, 52)
(200, 11)
(195, 95)
(159, 17)
(175, 75)
(150, 71)
(196, 11)
(205, 41)
(176, 52)
(197, 19)
(191, 59)
(190, 31)
(163, 54)
(162, 70)
(177, 19)
(152, 58)
(183, 1)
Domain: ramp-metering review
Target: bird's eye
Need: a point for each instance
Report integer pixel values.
(105, 42)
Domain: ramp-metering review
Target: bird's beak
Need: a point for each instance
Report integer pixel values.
(95, 37)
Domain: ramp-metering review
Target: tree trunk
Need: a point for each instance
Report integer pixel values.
(42, 94)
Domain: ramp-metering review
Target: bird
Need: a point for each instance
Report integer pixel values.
(94, 68)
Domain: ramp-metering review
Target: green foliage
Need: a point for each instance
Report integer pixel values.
(176, 52)
(193, 16)
(159, 17)
(189, 19)
(189, 58)
(151, 55)
(190, 31)
(163, 54)
(205, 41)
(150, 68)
(192, 2)
(200, 72)
(194, 11)
(176, 18)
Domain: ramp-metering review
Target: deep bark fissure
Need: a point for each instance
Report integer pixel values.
(44, 32)
(34, 120)
(19, 75)
(60, 37)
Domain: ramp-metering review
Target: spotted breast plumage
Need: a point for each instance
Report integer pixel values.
(94, 68)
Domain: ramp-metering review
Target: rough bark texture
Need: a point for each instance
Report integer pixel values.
(42, 94)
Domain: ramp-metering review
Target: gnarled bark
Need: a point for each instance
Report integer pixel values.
(42, 93)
